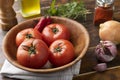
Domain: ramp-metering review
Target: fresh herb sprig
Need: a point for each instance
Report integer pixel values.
(71, 10)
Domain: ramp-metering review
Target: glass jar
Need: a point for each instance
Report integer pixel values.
(30, 8)
(103, 11)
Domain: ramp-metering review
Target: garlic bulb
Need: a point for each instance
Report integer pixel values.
(110, 30)
(105, 51)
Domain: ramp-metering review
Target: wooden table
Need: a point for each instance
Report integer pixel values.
(89, 60)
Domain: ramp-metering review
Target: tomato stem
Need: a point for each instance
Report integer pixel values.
(29, 36)
(58, 49)
(31, 49)
(55, 30)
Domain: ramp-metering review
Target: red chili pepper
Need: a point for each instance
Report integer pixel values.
(49, 21)
(44, 21)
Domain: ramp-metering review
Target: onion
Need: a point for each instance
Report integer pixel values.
(100, 67)
(106, 51)
(110, 31)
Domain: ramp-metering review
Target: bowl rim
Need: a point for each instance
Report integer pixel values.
(83, 52)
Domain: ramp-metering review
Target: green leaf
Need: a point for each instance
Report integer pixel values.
(52, 9)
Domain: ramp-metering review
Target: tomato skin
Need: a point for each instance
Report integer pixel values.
(61, 52)
(55, 31)
(22, 35)
(36, 59)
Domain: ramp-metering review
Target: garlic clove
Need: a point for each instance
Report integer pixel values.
(101, 67)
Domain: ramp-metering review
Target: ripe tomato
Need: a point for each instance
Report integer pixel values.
(27, 34)
(61, 52)
(33, 53)
(54, 31)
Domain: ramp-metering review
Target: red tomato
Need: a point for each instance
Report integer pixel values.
(27, 34)
(54, 31)
(33, 53)
(61, 52)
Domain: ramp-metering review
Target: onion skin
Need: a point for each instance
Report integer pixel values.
(105, 51)
(110, 31)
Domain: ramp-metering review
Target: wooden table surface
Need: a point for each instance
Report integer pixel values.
(89, 60)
